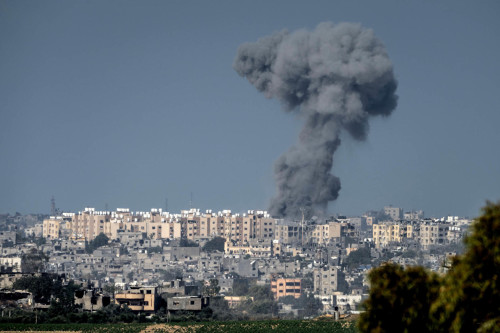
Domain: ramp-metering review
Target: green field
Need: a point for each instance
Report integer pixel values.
(287, 326)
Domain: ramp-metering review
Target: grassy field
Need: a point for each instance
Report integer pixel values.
(288, 326)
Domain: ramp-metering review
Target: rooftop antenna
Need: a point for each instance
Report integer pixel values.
(191, 200)
(166, 204)
(53, 210)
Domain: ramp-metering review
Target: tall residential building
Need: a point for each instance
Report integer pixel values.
(328, 280)
(288, 232)
(394, 212)
(385, 233)
(433, 234)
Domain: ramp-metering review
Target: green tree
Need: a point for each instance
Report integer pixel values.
(309, 303)
(470, 295)
(399, 299)
(220, 308)
(111, 289)
(362, 256)
(100, 240)
(33, 261)
(240, 287)
(215, 244)
(155, 249)
(187, 243)
(263, 300)
(63, 301)
(261, 293)
(466, 299)
(40, 286)
(212, 289)
(40, 241)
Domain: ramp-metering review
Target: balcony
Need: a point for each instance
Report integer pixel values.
(129, 297)
(136, 307)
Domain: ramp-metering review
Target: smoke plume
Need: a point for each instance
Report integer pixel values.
(335, 77)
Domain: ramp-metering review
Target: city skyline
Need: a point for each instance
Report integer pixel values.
(128, 104)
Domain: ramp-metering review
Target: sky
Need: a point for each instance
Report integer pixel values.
(135, 103)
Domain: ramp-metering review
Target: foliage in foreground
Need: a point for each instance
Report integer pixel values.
(466, 299)
(288, 326)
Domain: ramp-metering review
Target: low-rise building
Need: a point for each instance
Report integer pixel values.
(139, 299)
(187, 303)
(286, 287)
(91, 300)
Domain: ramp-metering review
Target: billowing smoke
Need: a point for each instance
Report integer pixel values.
(335, 77)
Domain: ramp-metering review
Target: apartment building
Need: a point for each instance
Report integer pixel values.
(156, 224)
(282, 287)
(89, 223)
(255, 248)
(385, 233)
(253, 225)
(288, 232)
(328, 280)
(323, 233)
(394, 212)
(432, 233)
(52, 227)
(414, 215)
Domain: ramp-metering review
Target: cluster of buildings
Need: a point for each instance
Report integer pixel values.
(294, 258)
(255, 232)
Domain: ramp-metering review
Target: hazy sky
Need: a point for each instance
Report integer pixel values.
(129, 103)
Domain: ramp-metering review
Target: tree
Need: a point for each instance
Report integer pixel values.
(8, 243)
(212, 289)
(100, 240)
(187, 243)
(215, 244)
(40, 241)
(155, 249)
(466, 299)
(111, 289)
(40, 286)
(33, 261)
(399, 300)
(470, 295)
(240, 287)
(261, 293)
(361, 256)
(263, 300)
(309, 303)
(64, 298)
(220, 308)
(170, 274)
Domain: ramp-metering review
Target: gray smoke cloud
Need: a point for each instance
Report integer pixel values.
(335, 77)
